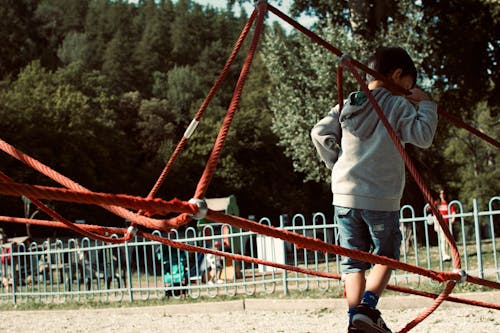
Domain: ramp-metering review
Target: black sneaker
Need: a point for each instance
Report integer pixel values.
(354, 329)
(369, 320)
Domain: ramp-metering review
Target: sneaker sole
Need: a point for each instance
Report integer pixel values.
(365, 324)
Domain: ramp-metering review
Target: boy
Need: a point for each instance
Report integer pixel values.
(368, 175)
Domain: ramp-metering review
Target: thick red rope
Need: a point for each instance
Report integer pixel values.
(442, 297)
(8, 181)
(155, 206)
(233, 106)
(191, 248)
(206, 102)
(66, 182)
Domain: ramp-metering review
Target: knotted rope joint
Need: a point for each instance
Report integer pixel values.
(202, 208)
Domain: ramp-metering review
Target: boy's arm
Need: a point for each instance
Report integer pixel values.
(418, 124)
(326, 136)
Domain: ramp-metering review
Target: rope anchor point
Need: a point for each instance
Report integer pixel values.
(344, 59)
(463, 275)
(132, 230)
(202, 208)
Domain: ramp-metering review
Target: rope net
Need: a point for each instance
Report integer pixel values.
(139, 210)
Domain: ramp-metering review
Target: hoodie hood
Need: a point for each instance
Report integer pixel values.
(358, 115)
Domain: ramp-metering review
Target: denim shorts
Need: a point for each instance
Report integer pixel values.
(366, 230)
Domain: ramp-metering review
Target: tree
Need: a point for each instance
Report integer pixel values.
(183, 91)
(465, 36)
(19, 40)
(118, 63)
(74, 48)
(474, 162)
(61, 126)
(153, 50)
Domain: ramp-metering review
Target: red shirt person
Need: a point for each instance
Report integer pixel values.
(448, 213)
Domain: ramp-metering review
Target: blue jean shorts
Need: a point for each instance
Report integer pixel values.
(366, 230)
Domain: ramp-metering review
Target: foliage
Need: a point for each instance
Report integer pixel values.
(62, 125)
(475, 163)
(18, 35)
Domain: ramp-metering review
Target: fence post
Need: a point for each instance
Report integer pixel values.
(12, 272)
(283, 222)
(129, 273)
(477, 227)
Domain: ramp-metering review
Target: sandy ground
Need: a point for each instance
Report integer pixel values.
(258, 315)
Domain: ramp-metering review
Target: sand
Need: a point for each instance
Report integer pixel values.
(258, 315)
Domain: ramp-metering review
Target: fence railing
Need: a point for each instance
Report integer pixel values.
(88, 270)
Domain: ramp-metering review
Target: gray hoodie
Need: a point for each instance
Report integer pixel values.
(368, 171)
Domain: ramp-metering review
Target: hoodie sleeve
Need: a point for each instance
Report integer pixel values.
(326, 135)
(418, 126)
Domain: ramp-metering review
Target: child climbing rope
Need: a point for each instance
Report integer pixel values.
(368, 175)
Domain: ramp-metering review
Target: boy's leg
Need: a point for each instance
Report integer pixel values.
(355, 287)
(353, 235)
(366, 317)
(386, 237)
(378, 279)
(354, 284)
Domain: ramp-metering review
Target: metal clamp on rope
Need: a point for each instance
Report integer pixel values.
(132, 230)
(191, 128)
(463, 275)
(344, 58)
(202, 208)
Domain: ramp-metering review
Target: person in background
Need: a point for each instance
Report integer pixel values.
(448, 213)
(215, 263)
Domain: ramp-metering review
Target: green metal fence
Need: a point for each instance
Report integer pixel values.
(88, 270)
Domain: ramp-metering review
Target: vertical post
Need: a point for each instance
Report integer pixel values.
(12, 271)
(283, 220)
(129, 273)
(477, 228)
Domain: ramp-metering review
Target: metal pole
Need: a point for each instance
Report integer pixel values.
(12, 272)
(283, 220)
(478, 238)
(129, 273)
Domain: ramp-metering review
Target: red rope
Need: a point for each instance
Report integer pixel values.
(216, 151)
(318, 245)
(469, 128)
(58, 217)
(442, 297)
(66, 182)
(151, 206)
(190, 248)
(449, 298)
(205, 103)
